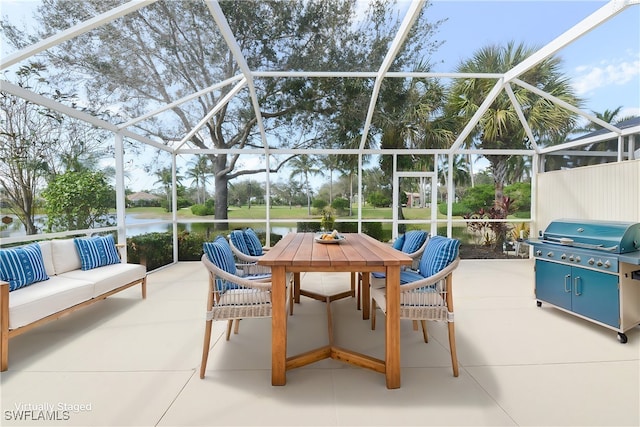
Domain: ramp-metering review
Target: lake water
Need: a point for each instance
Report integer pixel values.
(137, 226)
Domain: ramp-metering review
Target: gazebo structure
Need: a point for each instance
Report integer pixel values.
(544, 189)
(127, 361)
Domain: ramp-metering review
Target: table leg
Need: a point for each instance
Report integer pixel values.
(366, 295)
(392, 330)
(296, 288)
(278, 326)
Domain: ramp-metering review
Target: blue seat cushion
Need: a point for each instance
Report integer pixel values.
(238, 240)
(413, 240)
(438, 254)
(22, 266)
(253, 242)
(409, 276)
(96, 251)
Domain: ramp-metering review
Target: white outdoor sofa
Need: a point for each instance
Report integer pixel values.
(68, 289)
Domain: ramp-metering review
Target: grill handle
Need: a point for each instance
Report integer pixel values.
(567, 281)
(576, 285)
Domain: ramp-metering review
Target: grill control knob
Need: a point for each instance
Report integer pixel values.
(607, 264)
(599, 264)
(550, 254)
(578, 259)
(591, 261)
(571, 258)
(563, 256)
(538, 253)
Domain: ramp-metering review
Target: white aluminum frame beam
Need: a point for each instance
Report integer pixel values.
(396, 44)
(73, 32)
(23, 93)
(181, 101)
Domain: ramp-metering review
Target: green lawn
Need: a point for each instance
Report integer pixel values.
(258, 212)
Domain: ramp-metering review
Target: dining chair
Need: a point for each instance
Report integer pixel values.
(412, 243)
(231, 296)
(247, 249)
(425, 294)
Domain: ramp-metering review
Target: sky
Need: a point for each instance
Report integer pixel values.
(603, 65)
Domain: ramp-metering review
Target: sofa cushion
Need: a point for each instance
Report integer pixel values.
(47, 257)
(65, 256)
(96, 251)
(108, 277)
(41, 299)
(22, 266)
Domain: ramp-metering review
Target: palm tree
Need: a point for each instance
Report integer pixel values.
(199, 173)
(165, 179)
(500, 127)
(330, 163)
(305, 166)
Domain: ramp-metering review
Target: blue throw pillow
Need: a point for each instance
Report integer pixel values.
(238, 240)
(399, 243)
(413, 240)
(22, 266)
(219, 253)
(438, 254)
(253, 242)
(96, 251)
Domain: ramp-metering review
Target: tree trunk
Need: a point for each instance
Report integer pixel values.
(222, 202)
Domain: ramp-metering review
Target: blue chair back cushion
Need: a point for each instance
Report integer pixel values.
(96, 251)
(219, 253)
(253, 242)
(399, 243)
(439, 253)
(413, 240)
(238, 240)
(22, 266)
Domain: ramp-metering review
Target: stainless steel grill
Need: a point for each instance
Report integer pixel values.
(591, 269)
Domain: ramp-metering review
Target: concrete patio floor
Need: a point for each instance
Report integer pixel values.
(132, 362)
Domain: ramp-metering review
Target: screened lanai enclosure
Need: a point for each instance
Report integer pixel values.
(255, 111)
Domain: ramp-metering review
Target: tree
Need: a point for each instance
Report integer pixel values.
(37, 143)
(168, 49)
(199, 173)
(500, 127)
(165, 179)
(305, 167)
(78, 201)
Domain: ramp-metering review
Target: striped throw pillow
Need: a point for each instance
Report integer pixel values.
(413, 240)
(238, 240)
(96, 251)
(22, 266)
(253, 242)
(439, 253)
(219, 253)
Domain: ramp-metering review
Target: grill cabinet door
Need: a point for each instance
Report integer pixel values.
(553, 283)
(596, 296)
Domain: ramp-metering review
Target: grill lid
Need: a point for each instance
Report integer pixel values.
(612, 236)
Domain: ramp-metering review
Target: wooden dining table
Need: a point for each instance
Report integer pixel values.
(356, 253)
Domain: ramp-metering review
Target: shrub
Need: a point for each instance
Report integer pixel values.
(319, 204)
(341, 205)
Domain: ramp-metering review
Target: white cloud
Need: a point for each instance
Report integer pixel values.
(589, 78)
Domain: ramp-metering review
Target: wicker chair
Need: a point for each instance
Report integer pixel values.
(412, 243)
(425, 294)
(232, 297)
(247, 249)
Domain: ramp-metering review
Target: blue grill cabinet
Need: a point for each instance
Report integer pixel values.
(590, 269)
